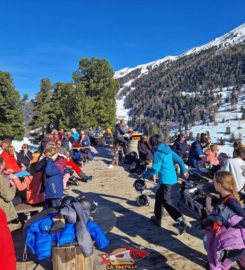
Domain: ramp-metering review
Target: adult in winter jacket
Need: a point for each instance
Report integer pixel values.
(7, 194)
(7, 256)
(84, 139)
(74, 136)
(10, 158)
(196, 153)
(167, 194)
(237, 167)
(180, 146)
(66, 143)
(145, 149)
(47, 139)
(119, 134)
(24, 156)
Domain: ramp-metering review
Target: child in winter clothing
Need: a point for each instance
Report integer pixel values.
(211, 155)
(226, 226)
(54, 171)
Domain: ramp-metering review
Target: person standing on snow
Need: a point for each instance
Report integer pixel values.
(167, 194)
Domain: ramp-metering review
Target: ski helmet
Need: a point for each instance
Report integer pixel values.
(139, 185)
(67, 200)
(142, 200)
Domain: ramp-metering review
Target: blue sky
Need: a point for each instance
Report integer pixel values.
(46, 38)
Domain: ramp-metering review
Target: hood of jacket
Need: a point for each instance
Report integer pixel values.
(164, 148)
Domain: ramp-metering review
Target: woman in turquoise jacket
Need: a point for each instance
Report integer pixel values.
(167, 195)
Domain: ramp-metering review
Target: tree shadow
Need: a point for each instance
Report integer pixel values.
(134, 224)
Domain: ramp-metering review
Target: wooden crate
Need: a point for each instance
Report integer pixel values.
(71, 258)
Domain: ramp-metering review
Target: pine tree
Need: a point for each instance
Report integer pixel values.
(43, 109)
(153, 130)
(11, 114)
(96, 76)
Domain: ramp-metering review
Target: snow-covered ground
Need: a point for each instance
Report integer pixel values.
(226, 118)
(17, 144)
(218, 131)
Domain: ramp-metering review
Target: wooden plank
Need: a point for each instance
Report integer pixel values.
(23, 208)
(71, 258)
(89, 263)
(58, 255)
(70, 261)
(79, 259)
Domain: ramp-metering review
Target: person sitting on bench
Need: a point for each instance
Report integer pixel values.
(145, 149)
(237, 167)
(7, 194)
(196, 153)
(119, 135)
(24, 157)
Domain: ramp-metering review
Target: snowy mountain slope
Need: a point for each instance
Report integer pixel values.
(144, 68)
(234, 37)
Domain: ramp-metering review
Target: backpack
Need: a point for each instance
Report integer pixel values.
(130, 157)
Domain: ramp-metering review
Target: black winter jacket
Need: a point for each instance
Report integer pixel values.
(24, 158)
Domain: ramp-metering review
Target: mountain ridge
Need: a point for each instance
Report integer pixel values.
(237, 33)
(197, 72)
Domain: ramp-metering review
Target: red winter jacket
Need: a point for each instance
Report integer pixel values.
(10, 162)
(7, 256)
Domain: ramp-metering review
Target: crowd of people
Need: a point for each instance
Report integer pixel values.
(42, 178)
(224, 223)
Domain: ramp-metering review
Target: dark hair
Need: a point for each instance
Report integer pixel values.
(181, 135)
(1, 160)
(237, 143)
(240, 151)
(204, 140)
(155, 140)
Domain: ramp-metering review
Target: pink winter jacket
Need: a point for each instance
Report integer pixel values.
(209, 157)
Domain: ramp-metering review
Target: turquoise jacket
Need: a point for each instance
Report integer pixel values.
(163, 165)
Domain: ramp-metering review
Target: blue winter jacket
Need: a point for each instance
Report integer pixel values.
(40, 241)
(195, 154)
(163, 165)
(75, 136)
(54, 181)
(97, 234)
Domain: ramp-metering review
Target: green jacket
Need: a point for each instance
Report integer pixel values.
(7, 194)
